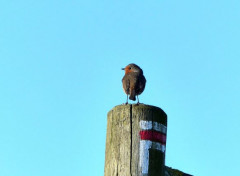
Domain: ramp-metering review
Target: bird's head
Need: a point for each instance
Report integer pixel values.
(132, 68)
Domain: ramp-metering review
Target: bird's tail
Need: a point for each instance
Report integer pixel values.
(132, 95)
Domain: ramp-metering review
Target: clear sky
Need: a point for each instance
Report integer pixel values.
(60, 74)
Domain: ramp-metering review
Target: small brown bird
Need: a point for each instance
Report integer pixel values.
(133, 81)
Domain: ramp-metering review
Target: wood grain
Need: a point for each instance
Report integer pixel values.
(122, 143)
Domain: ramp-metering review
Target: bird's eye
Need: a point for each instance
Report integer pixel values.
(130, 68)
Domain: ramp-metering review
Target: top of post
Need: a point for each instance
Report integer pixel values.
(138, 107)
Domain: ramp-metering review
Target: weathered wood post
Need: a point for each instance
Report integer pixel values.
(136, 141)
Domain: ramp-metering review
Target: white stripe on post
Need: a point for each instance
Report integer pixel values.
(149, 125)
(144, 155)
(145, 145)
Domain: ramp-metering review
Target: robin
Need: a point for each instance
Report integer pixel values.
(133, 81)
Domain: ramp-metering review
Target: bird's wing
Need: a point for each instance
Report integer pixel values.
(126, 84)
(141, 84)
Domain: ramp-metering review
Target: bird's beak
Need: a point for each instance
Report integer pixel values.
(123, 69)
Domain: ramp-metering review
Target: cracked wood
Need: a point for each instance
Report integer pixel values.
(122, 156)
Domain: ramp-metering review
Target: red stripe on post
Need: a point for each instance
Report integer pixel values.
(153, 136)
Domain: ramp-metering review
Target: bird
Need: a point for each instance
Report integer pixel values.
(133, 81)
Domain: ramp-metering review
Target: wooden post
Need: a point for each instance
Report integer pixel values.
(136, 141)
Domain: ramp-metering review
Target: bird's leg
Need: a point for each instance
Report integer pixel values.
(127, 100)
(138, 100)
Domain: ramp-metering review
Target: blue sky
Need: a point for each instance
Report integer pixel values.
(60, 74)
